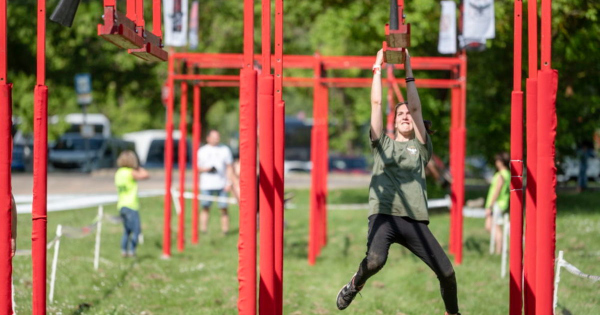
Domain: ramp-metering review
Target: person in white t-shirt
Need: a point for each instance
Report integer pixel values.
(215, 162)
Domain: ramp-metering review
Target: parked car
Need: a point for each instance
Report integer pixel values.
(348, 164)
(150, 147)
(74, 152)
(569, 169)
(22, 158)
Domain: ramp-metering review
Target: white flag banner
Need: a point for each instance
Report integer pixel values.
(479, 21)
(176, 22)
(447, 40)
(194, 26)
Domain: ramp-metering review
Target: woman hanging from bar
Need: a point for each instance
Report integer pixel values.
(398, 194)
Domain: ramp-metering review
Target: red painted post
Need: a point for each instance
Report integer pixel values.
(279, 150)
(461, 152)
(546, 169)
(267, 236)
(454, 117)
(196, 131)
(182, 164)
(313, 214)
(516, 169)
(5, 179)
(531, 198)
(156, 17)
(248, 185)
(40, 166)
(168, 160)
(324, 100)
(5, 190)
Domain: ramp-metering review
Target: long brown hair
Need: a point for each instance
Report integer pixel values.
(428, 124)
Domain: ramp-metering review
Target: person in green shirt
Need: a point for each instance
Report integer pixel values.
(497, 201)
(126, 178)
(398, 194)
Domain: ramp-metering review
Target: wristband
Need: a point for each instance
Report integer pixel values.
(410, 79)
(376, 69)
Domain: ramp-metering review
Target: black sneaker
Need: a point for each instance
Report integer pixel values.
(347, 294)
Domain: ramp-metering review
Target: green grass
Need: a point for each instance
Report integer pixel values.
(203, 280)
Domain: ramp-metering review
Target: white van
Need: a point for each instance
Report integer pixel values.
(150, 147)
(99, 125)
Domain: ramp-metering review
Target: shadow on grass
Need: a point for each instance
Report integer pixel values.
(474, 244)
(86, 306)
(297, 249)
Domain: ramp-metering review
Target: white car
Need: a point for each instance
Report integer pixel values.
(570, 169)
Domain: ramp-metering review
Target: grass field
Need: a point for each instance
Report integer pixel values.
(203, 280)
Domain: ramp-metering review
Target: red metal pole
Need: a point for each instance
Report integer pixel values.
(156, 17)
(248, 185)
(168, 160)
(546, 175)
(196, 130)
(5, 179)
(139, 14)
(461, 152)
(131, 11)
(531, 198)
(516, 169)
(182, 165)
(40, 165)
(324, 159)
(267, 236)
(454, 117)
(279, 145)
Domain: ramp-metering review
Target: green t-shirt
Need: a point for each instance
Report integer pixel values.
(504, 195)
(127, 188)
(398, 184)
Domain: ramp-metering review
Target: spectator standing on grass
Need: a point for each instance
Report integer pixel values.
(215, 163)
(497, 201)
(398, 194)
(126, 178)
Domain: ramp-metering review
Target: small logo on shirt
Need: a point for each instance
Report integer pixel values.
(412, 150)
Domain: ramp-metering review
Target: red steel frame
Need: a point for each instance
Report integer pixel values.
(530, 197)
(5, 161)
(546, 169)
(516, 169)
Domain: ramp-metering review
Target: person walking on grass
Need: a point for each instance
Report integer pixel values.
(126, 178)
(398, 194)
(498, 196)
(215, 162)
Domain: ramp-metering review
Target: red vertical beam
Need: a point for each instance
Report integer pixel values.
(516, 169)
(40, 165)
(315, 227)
(279, 145)
(324, 105)
(168, 159)
(5, 161)
(248, 186)
(131, 11)
(139, 13)
(182, 164)
(462, 140)
(531, 198)
(196, 131)
(156, 17)
(266, 98)
(454, 117)
(546, 170)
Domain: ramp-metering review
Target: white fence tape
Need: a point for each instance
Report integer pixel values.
(79, 201)
(561, 262)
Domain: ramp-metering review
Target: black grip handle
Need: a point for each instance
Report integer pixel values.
(64, 13)
(394, 21)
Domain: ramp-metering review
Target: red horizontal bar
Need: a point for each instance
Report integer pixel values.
(206, 77)
(235, 61)
(233, 80)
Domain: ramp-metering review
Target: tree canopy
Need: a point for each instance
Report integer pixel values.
(127, 89)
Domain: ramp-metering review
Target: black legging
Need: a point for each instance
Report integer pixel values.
(416, 236)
